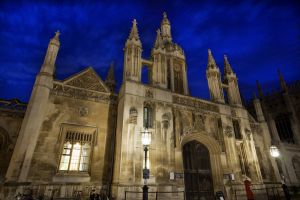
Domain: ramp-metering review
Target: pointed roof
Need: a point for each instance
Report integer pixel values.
(211, 63)
(282, 81)
(260, 92)
(87, 79)
(55, 39)
(111, 75)
(165, 19)
(158, 40)
(227, 66)
(134, 34)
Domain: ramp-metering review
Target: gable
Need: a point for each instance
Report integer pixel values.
(87, 79)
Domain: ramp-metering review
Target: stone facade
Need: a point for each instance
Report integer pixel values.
(82, 114)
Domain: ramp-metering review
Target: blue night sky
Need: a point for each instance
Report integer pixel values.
(258, 37)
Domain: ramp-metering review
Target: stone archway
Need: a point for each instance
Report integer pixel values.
(214, 150)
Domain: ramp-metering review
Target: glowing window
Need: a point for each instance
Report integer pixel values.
(76, 152)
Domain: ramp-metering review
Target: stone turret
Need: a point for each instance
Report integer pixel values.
(213, 76)
(166, 29)
(22, 156)
(133, 55)
(230, 79)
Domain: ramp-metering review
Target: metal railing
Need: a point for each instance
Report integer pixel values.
(272, 191)
(157, 195)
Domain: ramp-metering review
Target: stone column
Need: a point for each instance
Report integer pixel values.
(185, 81)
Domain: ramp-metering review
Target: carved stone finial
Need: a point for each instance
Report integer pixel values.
(211, 61)
(57, 33)
(227, 67)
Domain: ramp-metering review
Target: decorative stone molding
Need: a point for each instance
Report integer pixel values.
(198, 124)
(228, 131)
(84, 94)
(149, 93)
(193, 102)
(83, 111)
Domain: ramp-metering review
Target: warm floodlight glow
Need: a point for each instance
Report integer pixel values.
(274, 151)
(146, 137)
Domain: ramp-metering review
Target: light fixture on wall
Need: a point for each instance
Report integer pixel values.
(274, 151)
(146, 141)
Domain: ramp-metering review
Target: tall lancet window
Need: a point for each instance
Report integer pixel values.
(178, 82)
(76, 152)
(148, 116)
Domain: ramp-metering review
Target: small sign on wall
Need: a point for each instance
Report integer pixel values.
(174, 176)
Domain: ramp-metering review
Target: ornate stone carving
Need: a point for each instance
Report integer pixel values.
(198, 124)
(83, 111)
(79, 93)
(88, 79)
(133, 114)
(248, 133)
(166, 120)
(196, 103)
(228, 131)
(149, 93)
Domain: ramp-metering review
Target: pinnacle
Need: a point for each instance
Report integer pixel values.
(111, 75)
(158, 39)
(211, 61)
(282, 81)
(165, 19)
(134, 31)
(227, 67)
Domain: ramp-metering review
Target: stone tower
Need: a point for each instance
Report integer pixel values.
(168, 61)
(213, 76)
(29, 133)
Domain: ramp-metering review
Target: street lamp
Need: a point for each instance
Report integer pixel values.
(146, 141)
(274, 151)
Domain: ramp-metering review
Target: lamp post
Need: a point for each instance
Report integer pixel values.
(146, 141)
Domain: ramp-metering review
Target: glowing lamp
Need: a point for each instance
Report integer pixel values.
(274, 151)
(146, 137)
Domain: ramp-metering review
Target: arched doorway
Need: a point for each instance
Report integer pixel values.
(197, 171)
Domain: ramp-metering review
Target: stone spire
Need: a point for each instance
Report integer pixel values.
(133, 55)
(158, 40)
(110, 78)
(259, 89)
(134, 34)
(165, 27)
(211, 63)
(282, 81)
(50, 57)
(227, 66)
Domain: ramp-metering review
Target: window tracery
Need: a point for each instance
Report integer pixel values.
(76, 152)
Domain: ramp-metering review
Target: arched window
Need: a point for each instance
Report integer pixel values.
(283, 126)
(148, 116)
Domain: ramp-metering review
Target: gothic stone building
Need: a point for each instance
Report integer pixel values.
(77, 134)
